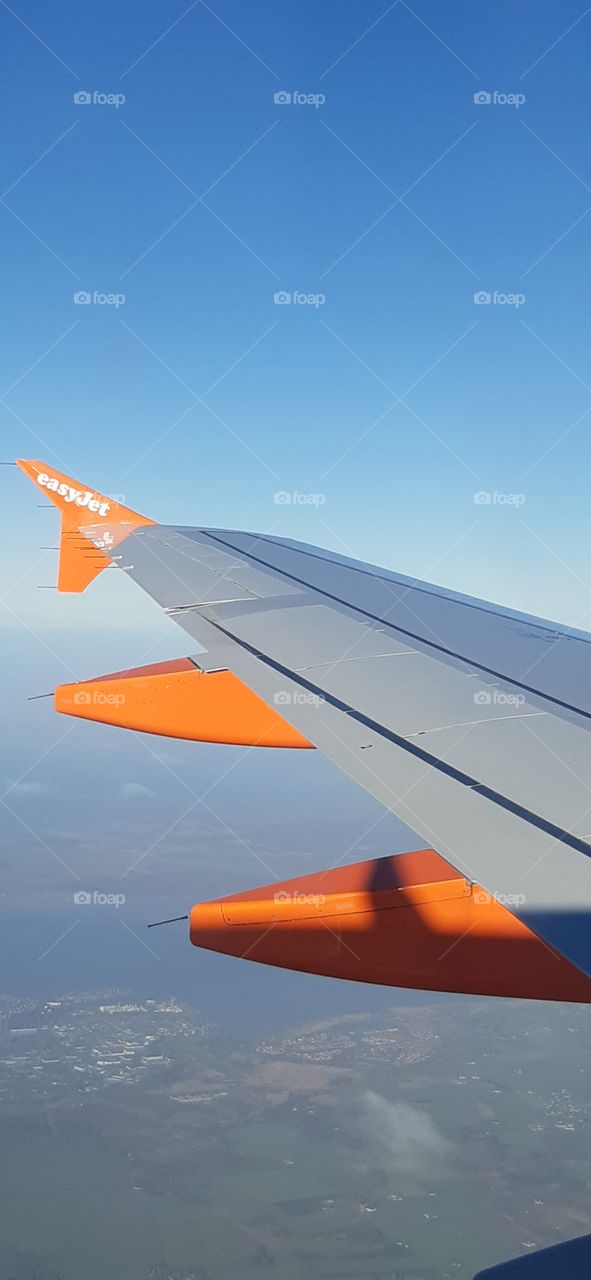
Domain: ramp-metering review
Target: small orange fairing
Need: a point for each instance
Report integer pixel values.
(411, 920)
(178, 700)
(80, 561)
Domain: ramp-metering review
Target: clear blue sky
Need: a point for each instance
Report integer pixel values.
(291, 188)
(397, 398)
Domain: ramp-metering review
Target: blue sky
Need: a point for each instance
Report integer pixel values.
(391, 198)
(305, 392)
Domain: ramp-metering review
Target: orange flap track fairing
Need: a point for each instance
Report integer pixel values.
(410, 920)
(178, 700)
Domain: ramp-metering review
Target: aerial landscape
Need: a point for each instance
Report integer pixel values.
(417, 1144)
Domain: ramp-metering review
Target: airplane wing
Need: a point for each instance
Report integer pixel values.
(570, 1260)
(468, 721)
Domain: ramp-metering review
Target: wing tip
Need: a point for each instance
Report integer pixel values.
(80, 507)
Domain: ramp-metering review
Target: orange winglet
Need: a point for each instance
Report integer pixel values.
(80, 561)
(178, 700)
(411, 920)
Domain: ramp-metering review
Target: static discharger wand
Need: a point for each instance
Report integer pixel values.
(173, 920)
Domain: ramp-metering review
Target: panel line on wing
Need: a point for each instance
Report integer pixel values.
(467, 724)
(431, 644)
(438, 593)
(362, 657)
(457, 775)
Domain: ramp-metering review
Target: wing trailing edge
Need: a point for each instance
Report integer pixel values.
(80, 561)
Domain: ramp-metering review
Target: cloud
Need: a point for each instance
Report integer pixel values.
(404, 1138)
(129, 790)
(25, 788)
